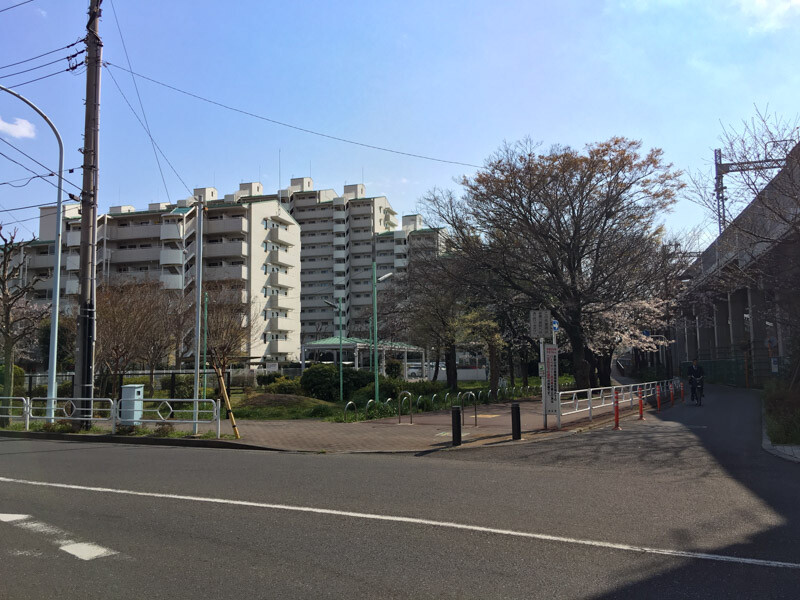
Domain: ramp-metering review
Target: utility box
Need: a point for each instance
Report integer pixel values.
(131, 404)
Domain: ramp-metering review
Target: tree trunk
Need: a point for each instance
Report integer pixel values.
(525, 366)
(494, 367)
(511, 381)
(591, 359)
(436, 367)
(8, 370)
(579, 364)
(451, 367)
(604, 369)
(152, 384)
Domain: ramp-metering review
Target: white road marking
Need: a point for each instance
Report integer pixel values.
(82, 550)
(86, 551)
(414, 521)
(6, 518)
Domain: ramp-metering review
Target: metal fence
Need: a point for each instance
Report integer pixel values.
(588, 400)
(113, 412)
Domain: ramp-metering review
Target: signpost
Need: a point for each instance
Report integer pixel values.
(550, 382)
(541, 323)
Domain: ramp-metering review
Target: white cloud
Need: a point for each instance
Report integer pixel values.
(768, 15)
(20, 128)
(42, 12)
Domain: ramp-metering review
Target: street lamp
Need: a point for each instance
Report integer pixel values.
(51, 373)
(375, 281)
(341, 373)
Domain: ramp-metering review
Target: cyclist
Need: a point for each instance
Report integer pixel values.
(696, 382)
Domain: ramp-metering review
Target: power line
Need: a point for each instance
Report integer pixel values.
(141, 105)
(124, 97)
(14, 64)
(5, 141)
(27, 180)
(290, 126)
(21, 221)
(16, 85)
(2, 10)
(52, 62)
(27, 169)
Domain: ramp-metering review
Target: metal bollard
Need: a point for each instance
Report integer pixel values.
(456, 419)
(671, 395)
(641, 405)
(658, 399)
(616, 410)
(516, 426)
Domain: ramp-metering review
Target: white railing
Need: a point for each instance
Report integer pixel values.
(113, 412)
(588, 400)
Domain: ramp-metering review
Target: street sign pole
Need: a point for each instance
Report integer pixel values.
(542, 375)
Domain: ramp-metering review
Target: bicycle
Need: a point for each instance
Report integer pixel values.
(696, 384)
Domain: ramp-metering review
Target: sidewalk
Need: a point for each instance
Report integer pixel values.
(429, 431)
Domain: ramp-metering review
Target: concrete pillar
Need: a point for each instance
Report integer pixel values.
(405, 364)
(355, 357)
(737, 304)
(758, 316)
(722, 328)
(302, 358)
(383, 363)
(424, 365)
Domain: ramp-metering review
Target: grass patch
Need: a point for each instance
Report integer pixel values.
(782, 410)
(270, 407)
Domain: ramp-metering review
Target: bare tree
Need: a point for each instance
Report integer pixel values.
(123, 311)
(19, 317)
(156, 337)
(570, 230)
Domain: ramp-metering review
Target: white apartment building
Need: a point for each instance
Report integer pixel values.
(340, 234)
(250, 243)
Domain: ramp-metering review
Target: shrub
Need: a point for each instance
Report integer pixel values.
(264, 379)
(283, 385)
(322, 382)
(425, 388)
(64, 390)
(394, 367)
(389, 388)
(136, 379)
(19, 380)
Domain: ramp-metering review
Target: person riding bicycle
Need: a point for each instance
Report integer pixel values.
(696, 382)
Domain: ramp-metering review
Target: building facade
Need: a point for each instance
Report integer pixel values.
(250, 243)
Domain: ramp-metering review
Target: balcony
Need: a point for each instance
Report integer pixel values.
(73, 262)
(281, 280)
(172, 281)
(278, 235)
(278, 301)
(224, 226)
(281, 347)
(339, 280)
(73, 238)
(135, 255)
(171, 257)
(280, 324)
(279, 257)
(400, 263)
(225, 272)
(340, 294)
(339, 254)
(41, 261)
(339, 227)
(225, 249)
(136, 232)
(171, 231)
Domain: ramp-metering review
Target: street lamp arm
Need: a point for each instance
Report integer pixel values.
(52, 359)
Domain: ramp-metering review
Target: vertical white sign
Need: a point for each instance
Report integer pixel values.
(550, 381)
(541, 324)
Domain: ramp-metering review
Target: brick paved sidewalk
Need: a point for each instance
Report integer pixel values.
(429, 431)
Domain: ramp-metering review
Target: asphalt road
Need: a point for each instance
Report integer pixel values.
(682, 506)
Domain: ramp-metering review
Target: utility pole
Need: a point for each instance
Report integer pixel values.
(84, 356)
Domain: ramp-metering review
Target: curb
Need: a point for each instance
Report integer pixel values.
(144, 441)
(766, 443)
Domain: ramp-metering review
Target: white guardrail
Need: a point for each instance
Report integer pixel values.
(113, 412)
(588, 400)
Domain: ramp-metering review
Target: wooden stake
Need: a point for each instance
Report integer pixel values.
(224, 391)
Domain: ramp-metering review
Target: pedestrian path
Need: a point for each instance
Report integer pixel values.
(482, 424)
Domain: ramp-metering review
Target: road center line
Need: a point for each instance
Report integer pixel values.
(415, 521)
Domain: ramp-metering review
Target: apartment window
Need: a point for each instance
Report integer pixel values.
(145, 268)
(237, 263)
(215, 217)
(216, 263)
(140, 223)
(122, 224)
(145, 245)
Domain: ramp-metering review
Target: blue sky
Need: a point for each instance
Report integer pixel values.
(451, 80)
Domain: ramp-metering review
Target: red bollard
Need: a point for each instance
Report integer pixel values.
(671, 395)
(658, 398)
(641, 405)
(616, 411)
